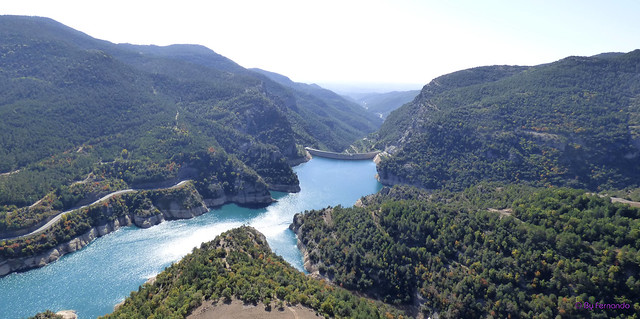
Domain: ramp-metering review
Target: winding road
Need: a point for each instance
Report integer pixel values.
(9, 173)
(104, 198)
(124, 191)
(625, 201)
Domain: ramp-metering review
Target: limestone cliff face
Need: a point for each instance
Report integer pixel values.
(25, 263)
(385, 177)
(388, 178)
(181, 203)
(284, 188)
(167, 204)
(173, 212)
(170, 204)
(296, 227)
(147, 221)
(302, 157)
(243, 193)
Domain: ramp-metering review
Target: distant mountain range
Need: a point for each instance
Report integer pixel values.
(382, 104)
(331, 104)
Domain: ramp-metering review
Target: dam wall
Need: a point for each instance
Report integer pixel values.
(341, 156)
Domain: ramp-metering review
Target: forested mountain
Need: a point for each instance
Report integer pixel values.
(382, 104)
(574, 122)
(495, 236)
(239, 264)
(72, 105)
(336, 112)
(490, 251)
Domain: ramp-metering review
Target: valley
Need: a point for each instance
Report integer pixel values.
(498, 191)
(129, 256)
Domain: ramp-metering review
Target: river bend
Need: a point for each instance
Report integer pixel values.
(94, 279)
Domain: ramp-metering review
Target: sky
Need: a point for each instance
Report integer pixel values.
(401, 43)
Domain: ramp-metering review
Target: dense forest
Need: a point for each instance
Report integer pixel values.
(239, 264)
(74, 107)
(571, 123)
(503, 223)
(488, 251)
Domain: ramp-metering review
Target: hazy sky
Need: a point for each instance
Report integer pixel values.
(360, 41)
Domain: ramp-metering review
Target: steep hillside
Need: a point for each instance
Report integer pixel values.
(337, 115)
(574, 122)
(488, 252)
(239, 264)
(72, 104)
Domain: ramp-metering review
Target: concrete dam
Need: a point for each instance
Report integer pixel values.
(341, 156)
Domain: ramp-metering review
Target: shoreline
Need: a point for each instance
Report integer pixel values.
(45, 224)
(26, 263)
(173, 211)
(308, 265)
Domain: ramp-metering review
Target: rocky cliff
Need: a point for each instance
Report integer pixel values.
(284, 188)
(25, 263)
(181, 202)
(296, 226)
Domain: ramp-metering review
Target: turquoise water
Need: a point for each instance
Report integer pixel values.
(94, 279)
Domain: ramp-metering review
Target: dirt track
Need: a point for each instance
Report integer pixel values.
(237, 310)
(57, 217)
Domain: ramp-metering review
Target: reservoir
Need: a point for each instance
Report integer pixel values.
(93, 280)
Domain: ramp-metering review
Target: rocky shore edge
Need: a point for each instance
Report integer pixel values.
(309, 266)
(171, 209)
(67, 314)
(284, 188)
